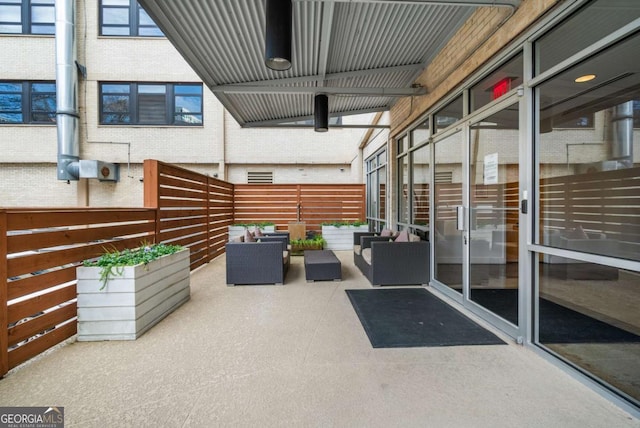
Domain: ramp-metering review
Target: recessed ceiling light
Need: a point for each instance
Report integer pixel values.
(585, 78)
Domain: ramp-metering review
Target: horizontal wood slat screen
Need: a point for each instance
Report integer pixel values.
(194, 209)
(40, 249)
(606, 202)
(312, 203)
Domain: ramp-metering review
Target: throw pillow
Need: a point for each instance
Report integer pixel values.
(386, 232)
(248, 236)
(403, 236)
(577, 233)
(257, 232)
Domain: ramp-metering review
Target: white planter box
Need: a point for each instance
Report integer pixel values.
(239, 230)
(341, 238)
(131, 303)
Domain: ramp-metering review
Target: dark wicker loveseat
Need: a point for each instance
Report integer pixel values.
(386, 262)
(264, 262)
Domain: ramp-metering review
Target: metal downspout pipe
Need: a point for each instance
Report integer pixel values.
(67, 91)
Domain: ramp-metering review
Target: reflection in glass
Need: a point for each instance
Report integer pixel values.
(507, 77)
(589, 315)
(585, 27)
(421, 167)
(449, 114)
(403, 189)
(493, 236)
(448, 196)
(590, 178)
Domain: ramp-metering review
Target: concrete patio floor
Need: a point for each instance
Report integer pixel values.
(297, 355)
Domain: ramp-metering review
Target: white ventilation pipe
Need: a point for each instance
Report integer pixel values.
(67, 91)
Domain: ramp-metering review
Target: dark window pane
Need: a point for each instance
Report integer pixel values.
(188, 104)
(188, 89)
(10, 87)
(10, 102)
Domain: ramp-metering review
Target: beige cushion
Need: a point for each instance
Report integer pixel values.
(356, 249)
(248, 236)
(239, 238)
(257, 232)
(403, 237)
(366, 255)
(414, 238)
(386, 232)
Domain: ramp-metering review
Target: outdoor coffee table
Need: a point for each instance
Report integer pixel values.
(321, 265)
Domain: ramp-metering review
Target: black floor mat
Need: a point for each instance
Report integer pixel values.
(410, 317)
(558, 324)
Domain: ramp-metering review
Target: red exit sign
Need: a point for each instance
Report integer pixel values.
(501, 88)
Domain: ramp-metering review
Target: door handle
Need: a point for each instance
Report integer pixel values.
(460, 218)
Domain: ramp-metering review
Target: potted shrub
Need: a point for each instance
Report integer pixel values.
(122, 294)
(299, 245)
(339, 234)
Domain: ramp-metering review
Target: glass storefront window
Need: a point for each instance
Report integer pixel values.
(420, 134)
(507, 77)
(588, 315)
(589, 178)
(403, 189)
(421, 167)
(587, 26)
(449, 114)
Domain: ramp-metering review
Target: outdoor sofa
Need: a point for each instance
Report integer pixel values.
(385, 260)
(264, 260)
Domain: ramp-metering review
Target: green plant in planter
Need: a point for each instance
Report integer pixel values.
(261, 225)
(114, 261)
(344, 223)
(299, 245)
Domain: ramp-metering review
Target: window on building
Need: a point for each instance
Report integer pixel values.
(449, 114)
(27, 17)
(27, 102)
(507, 77)
(126, 18)
(150, 104)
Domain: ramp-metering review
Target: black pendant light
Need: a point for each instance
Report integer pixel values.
(321, 113)
(278, 35)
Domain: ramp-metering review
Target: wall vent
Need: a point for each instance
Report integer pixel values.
(260, 177)
(444, 177)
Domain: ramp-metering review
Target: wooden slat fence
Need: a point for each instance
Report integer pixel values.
(40, 249)
(194, 210)
(39, 252)
(312, 203)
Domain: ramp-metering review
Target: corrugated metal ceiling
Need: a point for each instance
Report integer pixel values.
(364, 54)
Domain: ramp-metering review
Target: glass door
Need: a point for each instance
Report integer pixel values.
(494, 189)
(448, 199)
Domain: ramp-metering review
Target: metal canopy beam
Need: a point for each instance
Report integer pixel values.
(329, 90)
(497, 3)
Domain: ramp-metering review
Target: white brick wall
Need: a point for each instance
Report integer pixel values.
(29, 153)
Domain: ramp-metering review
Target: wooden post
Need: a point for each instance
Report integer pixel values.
(4, 315)
(151, 182)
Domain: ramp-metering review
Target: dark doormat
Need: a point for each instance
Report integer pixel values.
(410, 317)
(558, 324)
